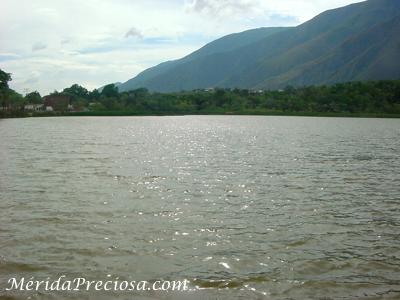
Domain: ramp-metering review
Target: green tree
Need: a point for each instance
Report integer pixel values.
(4, 89)
(16, 100)
(76, 92)
(94, 95)
(33, 98)
(110, 91)
(4, 79)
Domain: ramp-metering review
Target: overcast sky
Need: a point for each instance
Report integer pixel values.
(48, 45)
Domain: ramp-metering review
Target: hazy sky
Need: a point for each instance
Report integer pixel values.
(48, 45)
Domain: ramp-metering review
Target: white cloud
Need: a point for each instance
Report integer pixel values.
(223, 8)
(38, 46)
(133, 32)
(49, 44)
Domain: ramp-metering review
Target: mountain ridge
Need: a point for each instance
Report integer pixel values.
(355, 42)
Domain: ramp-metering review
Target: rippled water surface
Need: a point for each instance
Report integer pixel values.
(243, 207)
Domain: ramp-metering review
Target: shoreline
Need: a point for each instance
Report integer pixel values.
(20, 115)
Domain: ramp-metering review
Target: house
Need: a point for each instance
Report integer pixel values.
(256, 92)
(34, 107)
(57, 102)
(5, 106)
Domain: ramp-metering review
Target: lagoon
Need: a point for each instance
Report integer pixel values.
(244, 207)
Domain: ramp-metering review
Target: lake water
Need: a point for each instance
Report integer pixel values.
(243, 207)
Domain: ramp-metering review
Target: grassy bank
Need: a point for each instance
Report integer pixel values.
(245, 112)
(20, 114)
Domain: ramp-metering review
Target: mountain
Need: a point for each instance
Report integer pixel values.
(224, 44)
(356, 42)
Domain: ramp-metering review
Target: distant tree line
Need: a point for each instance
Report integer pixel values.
(375, 97)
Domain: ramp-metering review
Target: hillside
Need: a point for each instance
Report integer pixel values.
(224, 44)
(357, 42)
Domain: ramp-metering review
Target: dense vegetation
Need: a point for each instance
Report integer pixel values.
(380, 98)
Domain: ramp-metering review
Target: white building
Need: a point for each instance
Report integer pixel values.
(34, 107)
